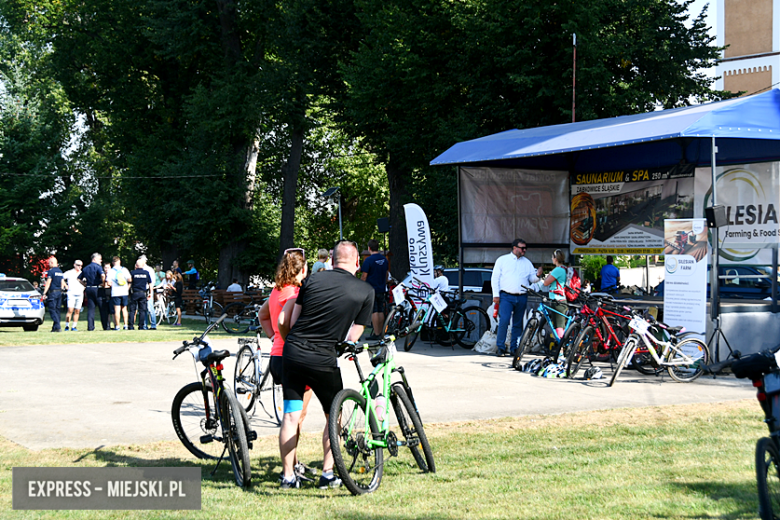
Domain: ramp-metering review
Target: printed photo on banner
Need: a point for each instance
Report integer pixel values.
(686, 237)
(623, 212)
(685, 282)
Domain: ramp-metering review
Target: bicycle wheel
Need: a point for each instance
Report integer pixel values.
(411, 427)
(170, 313)
(396, 321)
(234, 431)
(642, 363)
(411, 338)
(475, 322)
(245, 381)
(568, 339)
(695, 349)
(158, 315)
(625, 354)
(359, 466)
(278, 398)
(768, 479)
(237, 321)
(212, 311)
(579, 352)
(525, 342)
(195, 421)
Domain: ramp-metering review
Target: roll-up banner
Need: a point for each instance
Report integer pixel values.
(419, 242)
(685, 286)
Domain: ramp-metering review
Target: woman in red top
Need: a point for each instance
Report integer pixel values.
(289, 275)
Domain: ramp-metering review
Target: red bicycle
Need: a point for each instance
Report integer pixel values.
(599, 338)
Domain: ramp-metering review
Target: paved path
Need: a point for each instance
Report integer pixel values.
(87, 396)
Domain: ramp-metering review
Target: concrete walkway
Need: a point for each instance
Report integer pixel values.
(86, 396)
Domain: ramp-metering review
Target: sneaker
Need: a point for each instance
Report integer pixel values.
(295, 483)
(74, 329)
(67, 328)
(501, 353)
(127, 328)
(329, 482)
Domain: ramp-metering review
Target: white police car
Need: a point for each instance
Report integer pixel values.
(20, 304)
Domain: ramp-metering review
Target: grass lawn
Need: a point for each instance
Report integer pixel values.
(691, 461)
(15, 336)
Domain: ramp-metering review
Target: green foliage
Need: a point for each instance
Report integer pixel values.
(591, 266)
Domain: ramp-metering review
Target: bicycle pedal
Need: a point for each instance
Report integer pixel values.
(251, 435)
(241, 391)
(205, 439)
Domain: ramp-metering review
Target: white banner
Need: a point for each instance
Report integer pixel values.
(419, 242)
(751, 194)
(685, 287)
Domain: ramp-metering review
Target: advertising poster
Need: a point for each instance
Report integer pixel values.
(623, 212)
(751, 195)
(685, 285)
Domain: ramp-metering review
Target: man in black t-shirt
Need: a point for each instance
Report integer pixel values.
(331, 307)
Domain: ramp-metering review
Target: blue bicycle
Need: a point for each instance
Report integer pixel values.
(541, 330)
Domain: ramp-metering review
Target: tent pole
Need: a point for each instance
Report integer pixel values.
(460, 237)
(774, 278)
(714, 280)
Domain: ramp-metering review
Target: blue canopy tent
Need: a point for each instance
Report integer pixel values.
(735, 131)
(747, 130)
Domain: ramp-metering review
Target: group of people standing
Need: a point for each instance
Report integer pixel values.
(112, 289)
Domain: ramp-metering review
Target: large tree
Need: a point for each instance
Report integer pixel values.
(428, 74)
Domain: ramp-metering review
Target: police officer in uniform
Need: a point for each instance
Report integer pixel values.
(52, 293)
(140, 292)
(92, 276)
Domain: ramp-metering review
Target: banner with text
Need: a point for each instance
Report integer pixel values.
(751, 195)
(685, 286)
(418, 233)
(623, 212)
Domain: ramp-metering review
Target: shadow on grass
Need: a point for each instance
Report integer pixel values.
(742, 497)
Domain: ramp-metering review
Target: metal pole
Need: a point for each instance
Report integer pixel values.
(574, 77)
(341, 233)
(714, 280)
(774, 278)
(460, 237)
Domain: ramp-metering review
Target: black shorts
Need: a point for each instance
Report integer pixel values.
(380, 303)
(276, 366)
(325, 383)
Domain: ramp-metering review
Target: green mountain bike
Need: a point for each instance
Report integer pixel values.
(359, 426)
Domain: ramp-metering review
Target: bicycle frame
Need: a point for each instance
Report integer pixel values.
(386, 369)
(641, 329)
(598, 317)
(542, 310)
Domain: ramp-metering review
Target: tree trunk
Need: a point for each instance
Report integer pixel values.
(290, 173)
(399, 251)
(169, 253)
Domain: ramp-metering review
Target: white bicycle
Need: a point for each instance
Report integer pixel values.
(164, 309)
(253, 379)
(684, 357)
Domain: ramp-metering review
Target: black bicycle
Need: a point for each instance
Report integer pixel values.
(762, 369)
(206, 415)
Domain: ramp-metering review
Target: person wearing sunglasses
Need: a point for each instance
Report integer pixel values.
(511, 272)
(331, 306)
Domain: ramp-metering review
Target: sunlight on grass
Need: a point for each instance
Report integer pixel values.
(692, 461)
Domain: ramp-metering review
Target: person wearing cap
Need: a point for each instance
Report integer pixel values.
(193, 274)
(512, 273)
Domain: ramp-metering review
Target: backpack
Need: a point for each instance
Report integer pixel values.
(572, 288)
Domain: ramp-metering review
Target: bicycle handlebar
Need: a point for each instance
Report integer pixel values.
(349, 347)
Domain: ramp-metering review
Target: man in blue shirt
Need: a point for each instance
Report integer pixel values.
(610, 277)
(193, 274)
(374, 271)
(92, 276)
(52, 293)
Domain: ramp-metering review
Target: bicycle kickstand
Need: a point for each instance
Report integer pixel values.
(219, 461)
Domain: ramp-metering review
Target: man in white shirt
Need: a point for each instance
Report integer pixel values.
(510, 273)
(119, 279)
(75, 295)
(441, 282)
(235, 286)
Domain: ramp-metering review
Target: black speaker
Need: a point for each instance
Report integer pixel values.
(716, 216)
(383, 224)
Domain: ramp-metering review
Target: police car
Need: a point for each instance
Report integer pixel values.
(20, 304)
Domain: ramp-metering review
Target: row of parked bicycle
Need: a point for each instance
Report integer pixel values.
(599, 329)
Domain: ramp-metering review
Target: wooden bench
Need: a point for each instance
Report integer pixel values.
(192, 301)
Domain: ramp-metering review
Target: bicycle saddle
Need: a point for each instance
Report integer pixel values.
(216, 357)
